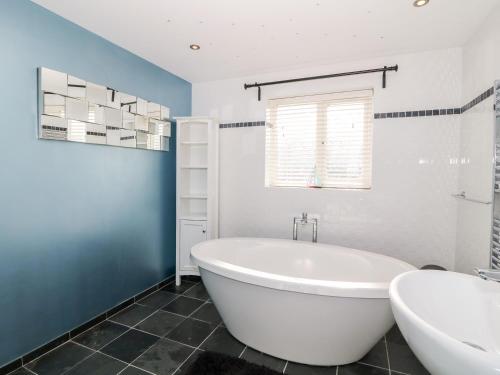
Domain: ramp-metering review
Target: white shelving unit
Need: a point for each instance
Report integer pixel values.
(197, 187)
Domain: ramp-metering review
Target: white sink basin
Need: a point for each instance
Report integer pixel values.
(450, 320)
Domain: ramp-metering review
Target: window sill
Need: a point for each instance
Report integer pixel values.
(318, 188)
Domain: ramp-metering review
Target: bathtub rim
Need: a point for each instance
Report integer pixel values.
(328, 288)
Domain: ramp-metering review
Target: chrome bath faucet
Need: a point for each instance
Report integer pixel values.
(303, 220)
(488, 274)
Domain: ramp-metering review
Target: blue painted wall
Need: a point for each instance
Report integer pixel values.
(82, 227)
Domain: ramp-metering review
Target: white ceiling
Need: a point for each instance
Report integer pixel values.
(245, 37)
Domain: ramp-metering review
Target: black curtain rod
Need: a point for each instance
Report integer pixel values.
(383, 70)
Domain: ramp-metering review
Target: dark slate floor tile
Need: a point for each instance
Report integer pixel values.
(87, 325)
(377, 356)
(208, 312)
(359, 369)
(400, 355)
(21, 371)
(100, 335)
(130, 345)
(133, 371)
(183, 305)
(191, 332)
(172, 288)
(160, 323)
(97, 364)
(11, 366)
(192, 278)
(164, 357)
(158, 299)
(60, 359)
(402, 359)
(132, 315)
(293, 368)
(197, 291)
(35, 354)
(394, 335)
(221, 341)
(186, 365)
(263, 359)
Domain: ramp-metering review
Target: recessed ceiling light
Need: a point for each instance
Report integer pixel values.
(420, 3)
(194, 47)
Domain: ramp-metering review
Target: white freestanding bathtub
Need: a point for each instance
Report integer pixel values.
(309, 303)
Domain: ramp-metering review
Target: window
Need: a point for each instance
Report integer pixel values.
(321, 141)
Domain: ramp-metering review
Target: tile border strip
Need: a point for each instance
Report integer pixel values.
(387, 115)
(242, 124)
(419, 113)
(41, 350)
(478, 99)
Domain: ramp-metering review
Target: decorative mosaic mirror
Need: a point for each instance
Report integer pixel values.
(75, 110)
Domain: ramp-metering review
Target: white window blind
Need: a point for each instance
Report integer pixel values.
(320, 141)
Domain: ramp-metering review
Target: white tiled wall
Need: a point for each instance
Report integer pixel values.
(480, 69)
(476, 179)
(409, 213)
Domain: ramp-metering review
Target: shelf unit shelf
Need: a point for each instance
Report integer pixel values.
(197, 187)
(193, 217)
(194, 167)
(194, 143)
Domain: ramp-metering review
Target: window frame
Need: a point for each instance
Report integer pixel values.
(323, 103)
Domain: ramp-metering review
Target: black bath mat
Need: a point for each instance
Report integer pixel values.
(210, 363)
